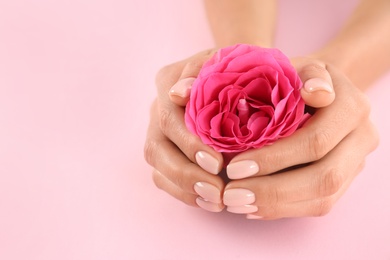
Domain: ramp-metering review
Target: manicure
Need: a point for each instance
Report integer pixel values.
(208, 192)
(182, 88)
(242, 169)
(209, 206)
(207, 162)
(315, 84)
(245, 209)
(238, 197)
(252, 216)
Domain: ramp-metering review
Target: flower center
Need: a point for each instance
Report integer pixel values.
(243, 111)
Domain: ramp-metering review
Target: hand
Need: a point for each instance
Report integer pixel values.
(330, 149)
(183, 166)
(168, 137)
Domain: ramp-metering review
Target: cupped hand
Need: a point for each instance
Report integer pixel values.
(327, 152)
(184, 167)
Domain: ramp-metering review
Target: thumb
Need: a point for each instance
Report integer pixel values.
(180, 91)
(317, 90)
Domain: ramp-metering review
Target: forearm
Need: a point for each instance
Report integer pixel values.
(362, 48)
(244, 21)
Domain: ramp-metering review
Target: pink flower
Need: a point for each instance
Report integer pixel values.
(245, 97)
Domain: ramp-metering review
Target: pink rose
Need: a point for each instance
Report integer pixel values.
(245, 97)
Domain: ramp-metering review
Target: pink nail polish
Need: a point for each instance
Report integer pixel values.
(316, 84)
(242, 169)
(209, 206)
(182, 88)
(208, 192)
(245, 209)
(252, 216)
(207, 162)
(238, 197)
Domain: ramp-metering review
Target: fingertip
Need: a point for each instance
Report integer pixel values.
(208, 162)
(178, 100)
(180, 91)
(242, 169)
(317, 92)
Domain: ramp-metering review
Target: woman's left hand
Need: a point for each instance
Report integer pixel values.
(330, 150)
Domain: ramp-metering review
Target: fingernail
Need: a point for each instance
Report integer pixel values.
(245, 209)
(252, 216)
(238, 197)
(316, 84)
(182, 88)
(207, 162)
(242, 169)
(208, 192)
(209, 206)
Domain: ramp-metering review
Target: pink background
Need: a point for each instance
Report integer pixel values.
(76, 82)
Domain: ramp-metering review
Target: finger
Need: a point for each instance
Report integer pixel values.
(317, 88)
(188, 198)
(165, 157)
(314, 182)
(171, 122)
(321, 133)
(308, 208)
(166, 185)
(173, 126)
(179, 93)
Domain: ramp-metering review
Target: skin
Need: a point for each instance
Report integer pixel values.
(332, 156)
(247, 21)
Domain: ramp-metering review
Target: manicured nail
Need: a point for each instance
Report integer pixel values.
(207, 162)
(208, 192)
(238, 197)
(182, 88)
(242, 169)
(245, 209)
(316, 84)
(209, 206)
(252, 216)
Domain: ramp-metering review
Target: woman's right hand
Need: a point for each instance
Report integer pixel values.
(183, 166)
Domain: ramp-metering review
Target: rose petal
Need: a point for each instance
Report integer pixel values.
(263, 77)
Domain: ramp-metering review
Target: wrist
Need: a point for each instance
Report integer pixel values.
(347, 60)
(333, 55)
(263, 42)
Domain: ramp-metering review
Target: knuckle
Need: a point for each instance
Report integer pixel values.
(331, 182)
(271, 160)
(361, 167)
(207, 53)
(166, 120)
(270, 195)
(193, 66)
(375, 139)
(313, 69)
(188, 144)
(318, 144)
(157, 180)
(150, 151)
(194, 63)
(323, 207)
(181, 176)
(364, 105)
(164, 74)
(357, 102)
(178, 178)
(361, 104)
